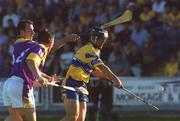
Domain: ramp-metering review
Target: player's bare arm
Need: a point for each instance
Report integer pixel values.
(110, 76)
(98, 73)
(63, 41)
(35, 71)
(52, 79)
(46, 76)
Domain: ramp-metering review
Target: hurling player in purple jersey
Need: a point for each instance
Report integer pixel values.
(28, 60)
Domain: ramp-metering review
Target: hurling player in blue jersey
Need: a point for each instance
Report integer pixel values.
(28, 60)
(85, 62)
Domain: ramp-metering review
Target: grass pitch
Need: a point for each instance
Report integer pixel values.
(133, 118)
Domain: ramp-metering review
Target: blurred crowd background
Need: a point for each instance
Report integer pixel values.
(149, 45)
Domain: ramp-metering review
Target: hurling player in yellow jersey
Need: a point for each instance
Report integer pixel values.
(85, 62)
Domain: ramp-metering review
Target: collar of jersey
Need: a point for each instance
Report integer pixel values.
(93, 46)
(21, 40)
(43, 46)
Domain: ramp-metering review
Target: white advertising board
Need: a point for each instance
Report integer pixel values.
(159, 91)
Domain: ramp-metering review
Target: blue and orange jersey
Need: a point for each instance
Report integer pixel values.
(86, 59)
(27, 50)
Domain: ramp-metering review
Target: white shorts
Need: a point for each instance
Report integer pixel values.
(13, 94)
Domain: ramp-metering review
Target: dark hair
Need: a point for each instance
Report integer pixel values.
(45, 36)
(22, 25)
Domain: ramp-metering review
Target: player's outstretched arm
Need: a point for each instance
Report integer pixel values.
(63, 41)
(35, 71)
(98, 73)
(46, 76)
(51, 79)
(110, 76)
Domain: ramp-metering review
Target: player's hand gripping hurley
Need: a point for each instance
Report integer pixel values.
(55, 79)
(78, 89)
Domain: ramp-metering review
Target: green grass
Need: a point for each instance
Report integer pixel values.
(150, 119)
(133, 118)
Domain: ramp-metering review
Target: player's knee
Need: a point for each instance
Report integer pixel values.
(72, 117)
(80, 119)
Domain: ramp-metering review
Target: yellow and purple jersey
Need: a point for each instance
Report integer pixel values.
(86, 59)
(27, 50)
